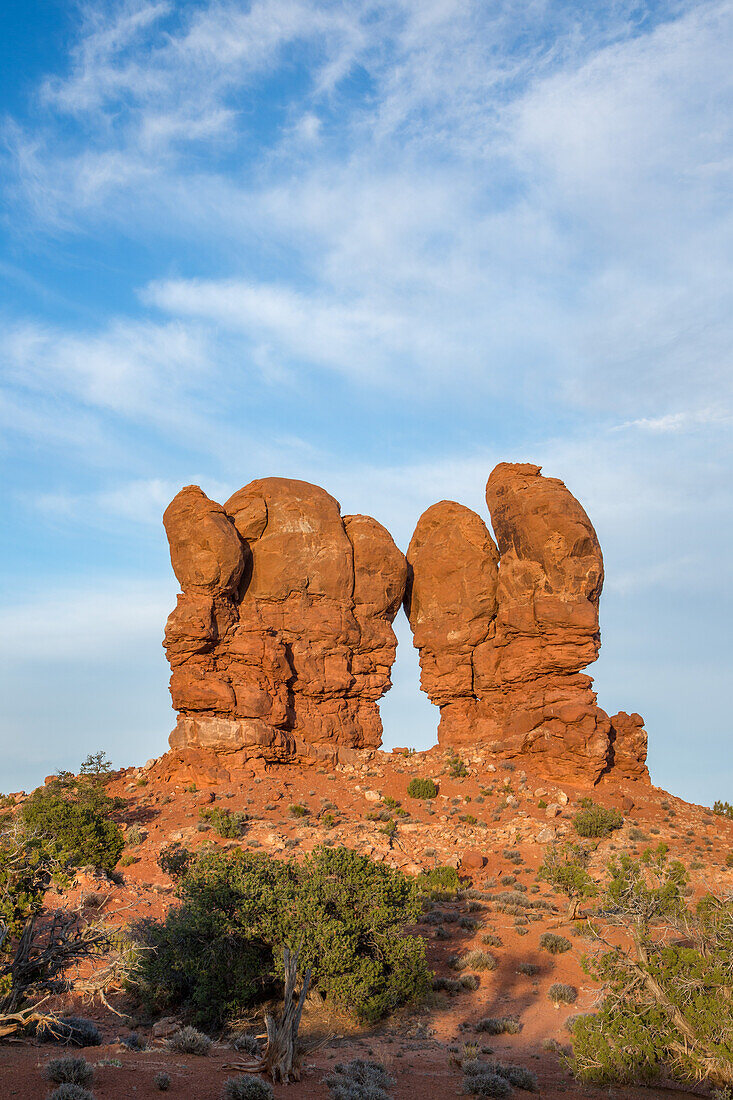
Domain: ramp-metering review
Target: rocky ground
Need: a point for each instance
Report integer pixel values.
(493, 823)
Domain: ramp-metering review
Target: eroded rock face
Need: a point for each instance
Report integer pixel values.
(281, 643)
(282, 637)
(451, 604)
(502, 649)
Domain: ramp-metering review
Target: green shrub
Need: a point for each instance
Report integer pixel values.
(596, 821)
(174, 860)
(219, 951)
(190, 1041)
(476, 960)
(556, 945)
(439, 880)
(162, 1081)
(296, 810)
(74, 1071)
(456, 768)
(562, 994)
(96, 766)
(247, 1088)
(499, 1025)
(564, 867)
(74, 816)
(528, 968)
(662, 1012)
(422, 788)
(226, 823)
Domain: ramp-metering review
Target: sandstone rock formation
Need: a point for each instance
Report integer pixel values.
(502, 649)
(282, 637)
(281, 643)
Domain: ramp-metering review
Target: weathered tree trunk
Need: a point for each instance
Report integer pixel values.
(281, 1060)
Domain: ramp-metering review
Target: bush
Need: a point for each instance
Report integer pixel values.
(564, 867)
(499, 1025)
(723, 809)
(245, 1043)
(596, 821)
(190, 1041)
(69, 1091)
(439, 880)
(74, 1071)
(174, 860)
(457, 768)
(359, 1080)
(74, 1031)
(226, 823)
(517, 1076)
(486, 1083)
(422, 788)
(662, 1011)
(562, 994)
(74, 816)
(476, 960)
(556, 945)
(528, 968)
(162, 1081)
(296, 810)
(247, 1088)
(220, 951)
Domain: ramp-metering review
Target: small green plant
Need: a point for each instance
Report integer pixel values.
(422, 788)
(528, 968)
(134, 836)
(556, 945)
(499, 1025)
(97, 765)
(190, 1041)
(126, 859)
(225, 823)
(562, 994)
(247, 1088)
(439, 881)
(174, 860)
(596, 821)
(565, 868)
(73, 1071)
(297, 810)
(456, 768)
(477, 960)
(162, 1081)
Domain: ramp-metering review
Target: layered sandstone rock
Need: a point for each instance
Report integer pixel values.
(502, 650)
(281, 643)
(451, 597)
(282, 638)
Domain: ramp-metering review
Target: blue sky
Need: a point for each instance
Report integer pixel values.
(380, 246)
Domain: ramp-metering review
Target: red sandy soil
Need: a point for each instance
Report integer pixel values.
(420, 1047)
